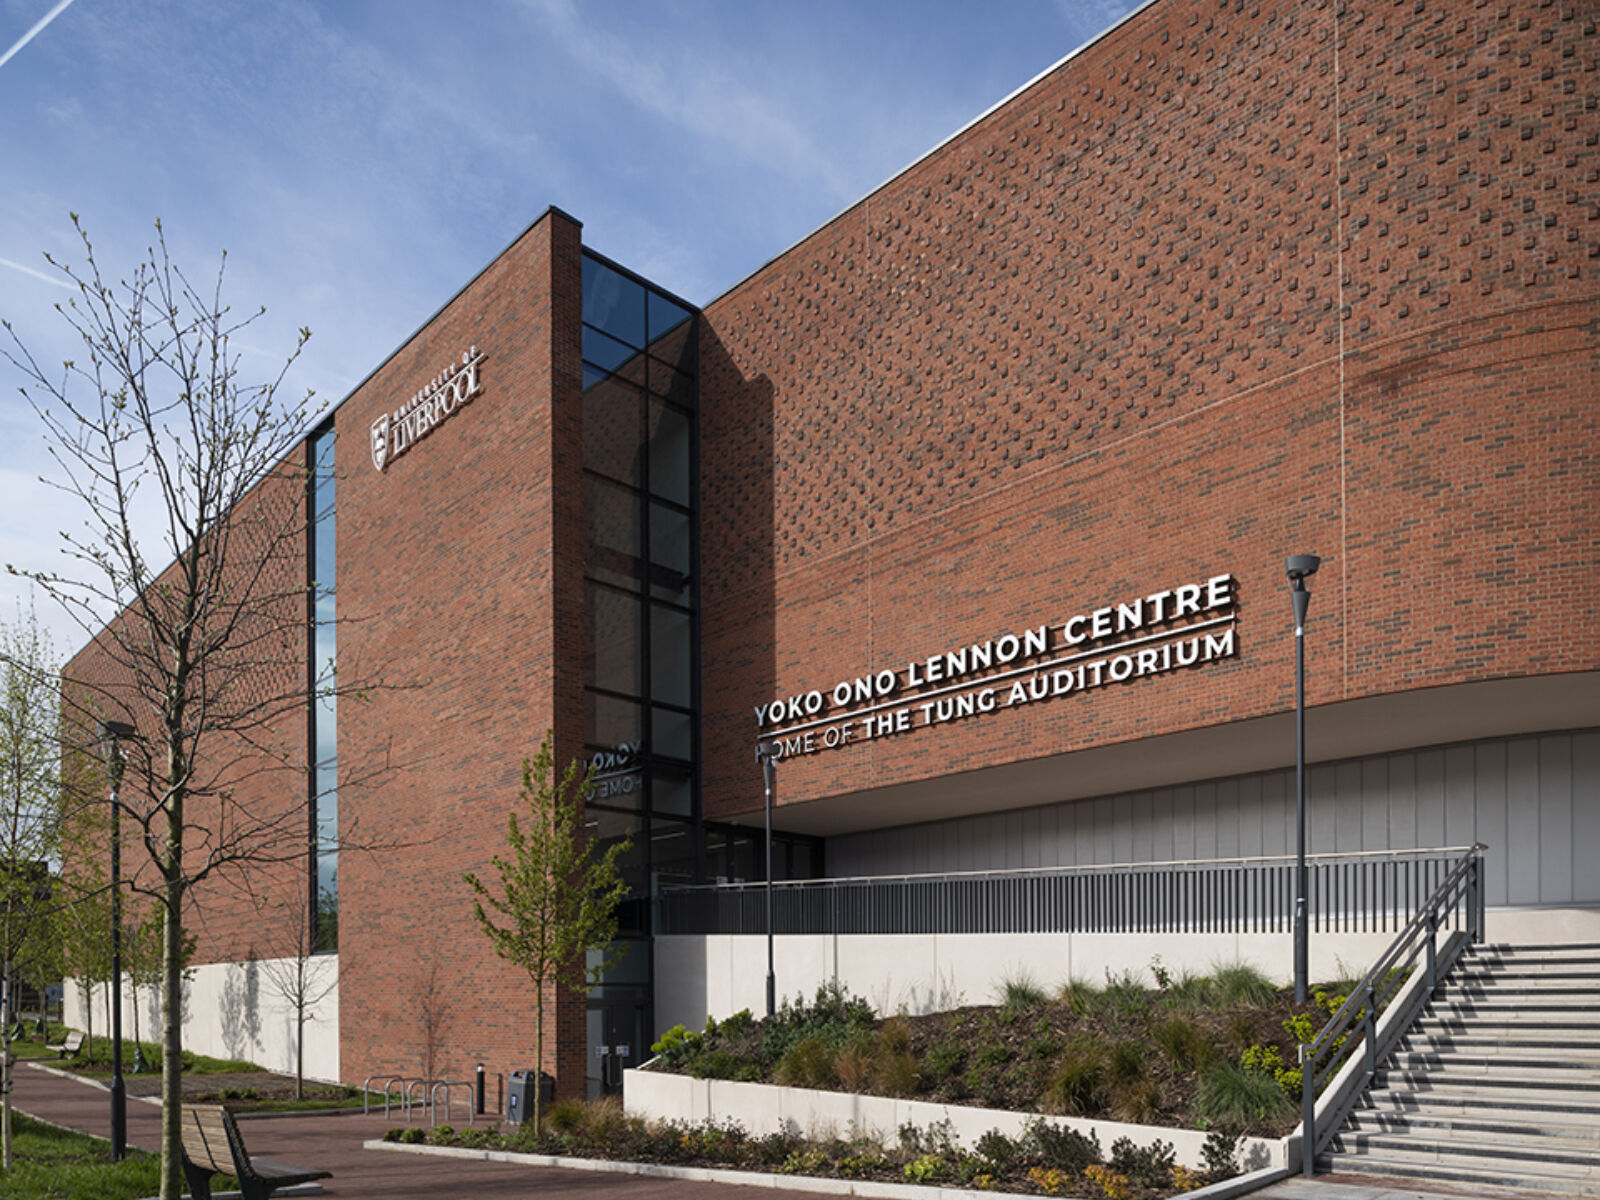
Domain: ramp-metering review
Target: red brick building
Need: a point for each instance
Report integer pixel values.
(977, 501)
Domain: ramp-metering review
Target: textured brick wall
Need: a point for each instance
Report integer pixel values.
(1237, 281)
(246, 812)
(455, 564)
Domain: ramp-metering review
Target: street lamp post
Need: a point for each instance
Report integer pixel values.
(1299, 567)
(112, 734)
(767, 754)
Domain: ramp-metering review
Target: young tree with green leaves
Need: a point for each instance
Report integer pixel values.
(30, 819)
(558, 894)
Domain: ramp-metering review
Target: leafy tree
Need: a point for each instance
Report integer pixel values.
(154, 428)
(558, 897)
(29, 821)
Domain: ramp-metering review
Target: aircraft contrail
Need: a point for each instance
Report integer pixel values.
(38, 28)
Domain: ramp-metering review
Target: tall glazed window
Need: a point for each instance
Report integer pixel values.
(323, 732)
(640, 562)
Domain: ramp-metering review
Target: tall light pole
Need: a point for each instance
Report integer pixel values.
(1299, 567)
(112, 734)
(767, 754)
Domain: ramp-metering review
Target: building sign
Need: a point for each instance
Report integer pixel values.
(442, 396)
(1183, 626)
(615, 773)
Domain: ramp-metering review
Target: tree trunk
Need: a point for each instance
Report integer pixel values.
(5, 1066)
(538, 1054)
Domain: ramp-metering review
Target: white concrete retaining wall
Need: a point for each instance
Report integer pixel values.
(715, 975)
(236, 1010)
(762, 1109)
(700, 976)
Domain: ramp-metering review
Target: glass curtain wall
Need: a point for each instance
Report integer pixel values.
(322, 562)
(639, 492)
(641, 674)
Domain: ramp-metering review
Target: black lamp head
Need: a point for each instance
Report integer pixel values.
(1299, 566)
(768, 752)
(112, 732)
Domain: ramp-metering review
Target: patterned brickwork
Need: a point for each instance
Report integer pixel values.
(1235, 281)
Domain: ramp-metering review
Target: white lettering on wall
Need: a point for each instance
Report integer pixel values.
(1179, 627)
(442, 396)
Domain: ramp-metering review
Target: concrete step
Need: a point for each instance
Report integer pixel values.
(1581, 1044)
(1523, 1177)
(1530, 976)
(1545, 1087)
(1510, 950)
(1510, 1008)
(1549, 1160)
(1458, 1064)
(1576, 1135)
(1554, 1107)
(1574, 1026)
(1553, 993)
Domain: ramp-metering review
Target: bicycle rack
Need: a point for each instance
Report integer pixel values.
(447, 1084)
(389, 1082)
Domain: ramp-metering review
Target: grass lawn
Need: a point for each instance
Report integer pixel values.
(55, 1164)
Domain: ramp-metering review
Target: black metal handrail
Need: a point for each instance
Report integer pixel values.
(1458, 896)
(1370, 892)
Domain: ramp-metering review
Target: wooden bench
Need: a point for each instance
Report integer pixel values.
(70, 1045)
(212, 1146)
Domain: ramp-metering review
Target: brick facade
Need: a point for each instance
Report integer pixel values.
(1235, 281)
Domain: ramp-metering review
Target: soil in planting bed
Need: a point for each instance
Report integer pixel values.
(1214, 1052)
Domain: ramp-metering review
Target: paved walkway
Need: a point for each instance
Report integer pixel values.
(333, 1142)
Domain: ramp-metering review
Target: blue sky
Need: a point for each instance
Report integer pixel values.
(359, 160)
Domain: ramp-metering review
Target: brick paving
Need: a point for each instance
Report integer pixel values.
(334, 1142)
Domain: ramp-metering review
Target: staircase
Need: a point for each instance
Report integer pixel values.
(1498, 1082)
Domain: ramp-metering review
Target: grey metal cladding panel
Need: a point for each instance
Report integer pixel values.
(1122, 829)
(1014, 836)
(1322, 811)
(1491, 824)
(1228, 818)
(1252, 831)
(1141, 805)
(1430, 798)
(1349, 819)
(1522, 821)
(1183, 823)
(1403, 801)
(1460, 795)
(1376, 831)
(1030, 839)
(1586, 817)
(1205, 820)
(1162, 822)
(1277, 813)
(1105, 816)
(1555, 819)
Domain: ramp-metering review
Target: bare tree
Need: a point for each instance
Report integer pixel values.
(293, 970)
(206, 655)
(431, 1002)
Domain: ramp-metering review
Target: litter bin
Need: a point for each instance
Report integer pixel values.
(519, 1094)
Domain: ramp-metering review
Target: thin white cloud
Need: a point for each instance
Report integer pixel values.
(54, 280)
(37, 29)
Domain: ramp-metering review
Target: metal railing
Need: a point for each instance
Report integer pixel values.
(1455, 902)
(1371, 892)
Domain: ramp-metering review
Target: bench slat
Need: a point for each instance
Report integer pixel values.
(209, 1130)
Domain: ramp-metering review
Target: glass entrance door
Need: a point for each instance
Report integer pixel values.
(619, 1036)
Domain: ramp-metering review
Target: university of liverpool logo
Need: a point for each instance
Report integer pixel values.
(452, 389)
